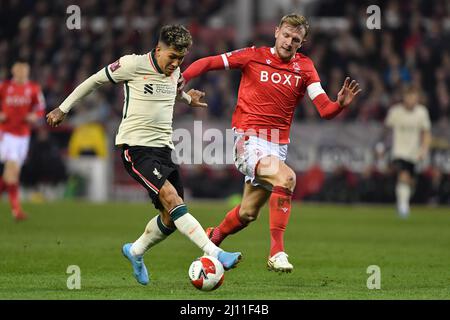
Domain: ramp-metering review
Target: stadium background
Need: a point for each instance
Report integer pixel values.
(330, 244)
(411, 47)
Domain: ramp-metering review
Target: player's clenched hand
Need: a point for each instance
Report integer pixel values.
(348, 92)
(196, 96)
(55, 117)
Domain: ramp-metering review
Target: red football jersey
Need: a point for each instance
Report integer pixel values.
(16, 102)
(270, 89)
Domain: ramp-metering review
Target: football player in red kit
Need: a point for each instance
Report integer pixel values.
(21, 105)
(273, 82)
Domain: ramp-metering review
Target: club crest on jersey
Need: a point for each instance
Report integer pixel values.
(296, 67)
(114, 66)
(157, 173)
(268, 61)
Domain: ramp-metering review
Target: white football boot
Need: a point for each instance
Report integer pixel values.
(279, 263)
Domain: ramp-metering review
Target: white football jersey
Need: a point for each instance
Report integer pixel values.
(149, 98)
(407, 126)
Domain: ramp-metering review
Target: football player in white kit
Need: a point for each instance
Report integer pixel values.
(145, 136)
(411, 126)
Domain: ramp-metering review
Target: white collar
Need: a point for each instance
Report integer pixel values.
(272, 51)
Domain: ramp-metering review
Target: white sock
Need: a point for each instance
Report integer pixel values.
(151, 236)
(191, 228)
(403, 193)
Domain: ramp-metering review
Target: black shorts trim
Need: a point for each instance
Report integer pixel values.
(404, 165)
(141, 176)
(151, 167)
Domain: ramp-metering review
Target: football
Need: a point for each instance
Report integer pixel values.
(206, 273)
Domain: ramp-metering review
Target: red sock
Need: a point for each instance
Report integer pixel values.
(2, 185)
(13, 191)
(232, 223)
(280, 210)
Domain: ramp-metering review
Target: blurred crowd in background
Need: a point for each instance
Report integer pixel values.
(412, 47)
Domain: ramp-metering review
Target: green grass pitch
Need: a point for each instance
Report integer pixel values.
(330, 247)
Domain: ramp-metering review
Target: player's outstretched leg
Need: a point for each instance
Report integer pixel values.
(238, 218)
(231, 224)
(191, 228)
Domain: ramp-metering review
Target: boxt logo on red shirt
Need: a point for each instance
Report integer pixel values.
(282, 78)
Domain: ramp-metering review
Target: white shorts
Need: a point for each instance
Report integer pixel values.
(249, 150)
(13, 148)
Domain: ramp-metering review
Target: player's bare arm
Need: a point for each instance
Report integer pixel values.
(2, 117)
(348, 92)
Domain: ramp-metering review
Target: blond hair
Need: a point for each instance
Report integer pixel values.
(295, 20)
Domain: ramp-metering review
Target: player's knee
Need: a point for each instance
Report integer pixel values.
(291, 181)
(173, 201)
(287, 180)
(170, 198)
(404, 176)
(248, 215)
(11, 177)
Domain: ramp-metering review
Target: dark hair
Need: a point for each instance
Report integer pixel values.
(20, 60)
(176, 36)
(411, 89)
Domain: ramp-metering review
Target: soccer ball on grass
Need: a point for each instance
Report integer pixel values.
(206, 273)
